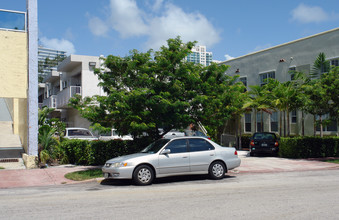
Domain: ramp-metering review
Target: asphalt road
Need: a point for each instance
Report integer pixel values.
(284, 195)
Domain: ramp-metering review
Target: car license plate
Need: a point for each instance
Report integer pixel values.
(264, 145)
(106, 175)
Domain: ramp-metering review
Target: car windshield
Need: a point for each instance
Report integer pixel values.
(264, 136)
(155, 146)
(79, 132)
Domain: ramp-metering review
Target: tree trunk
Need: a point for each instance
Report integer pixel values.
(315, 126)
(288, 123)
(284, 124)
(262, 121)
(255, 121)
(321, 126)
(240, 133)
(236, 132)
(280, 123)
(302, 124)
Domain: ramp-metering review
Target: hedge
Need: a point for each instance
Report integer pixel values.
(309, 147)
(85, 152)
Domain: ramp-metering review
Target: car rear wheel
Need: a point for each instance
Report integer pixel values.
(217, 170)
(143, 175)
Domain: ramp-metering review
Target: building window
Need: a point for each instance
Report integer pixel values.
(248, 122)
(294, 117)
(291, 71)
(243, 80)
(265, 76)
(331, 126)
(274, 121)
(12, 20)
(335, 62)
(259, 115)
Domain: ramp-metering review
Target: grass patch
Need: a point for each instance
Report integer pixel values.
(333, 161)
(1, 168)
(84, 175)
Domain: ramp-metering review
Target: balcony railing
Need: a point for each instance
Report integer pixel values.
(12, 20)
(66, 94)
(50, 102)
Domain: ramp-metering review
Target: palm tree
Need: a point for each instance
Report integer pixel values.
(258, 102)
(320, 65)
(281, 96)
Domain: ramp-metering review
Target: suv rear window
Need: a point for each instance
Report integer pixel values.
(264, 136)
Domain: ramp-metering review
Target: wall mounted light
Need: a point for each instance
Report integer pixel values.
(237, 71)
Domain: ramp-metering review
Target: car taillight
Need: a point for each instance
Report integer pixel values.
(252, 143)
(276, 144)
(235, 152)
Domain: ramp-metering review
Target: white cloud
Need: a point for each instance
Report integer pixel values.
(309, 14)
(97, 26)
(162, 21)
(176, 22)
(157, 5)
(228, 57)
(58, 44)
(127, 18)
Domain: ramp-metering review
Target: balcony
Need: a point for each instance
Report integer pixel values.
(52, 76)
(64, 96)
(50, 102)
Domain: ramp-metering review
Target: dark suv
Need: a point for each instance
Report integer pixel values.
(264, 142)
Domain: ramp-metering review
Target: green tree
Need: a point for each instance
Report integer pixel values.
(320, 65)
(258, 102)
(49, 146)
(152, 90)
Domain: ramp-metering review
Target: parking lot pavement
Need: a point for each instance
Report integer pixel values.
(266, 164)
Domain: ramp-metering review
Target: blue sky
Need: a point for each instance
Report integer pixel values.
(229, 28)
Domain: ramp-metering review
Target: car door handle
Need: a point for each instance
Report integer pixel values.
(211, 154)
(184, 157)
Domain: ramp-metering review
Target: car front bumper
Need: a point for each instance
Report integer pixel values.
(118, 172)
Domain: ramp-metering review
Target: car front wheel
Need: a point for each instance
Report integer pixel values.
(217, 170)
(143, 175)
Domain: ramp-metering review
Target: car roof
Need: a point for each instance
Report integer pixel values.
(187, 137)
(77, 128)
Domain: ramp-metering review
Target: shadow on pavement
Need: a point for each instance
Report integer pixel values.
(164, 180)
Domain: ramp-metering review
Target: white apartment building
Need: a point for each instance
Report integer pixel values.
(277, 62)
(200, 55)
(75, 75)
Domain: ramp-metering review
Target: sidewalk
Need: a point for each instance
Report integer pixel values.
(38, 177)
(10, 178)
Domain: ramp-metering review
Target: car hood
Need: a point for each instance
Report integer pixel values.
(127, 157)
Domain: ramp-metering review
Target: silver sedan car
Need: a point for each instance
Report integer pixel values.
(171, 157)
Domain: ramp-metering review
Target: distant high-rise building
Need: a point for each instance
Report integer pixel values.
(49, 59)
(199, 55)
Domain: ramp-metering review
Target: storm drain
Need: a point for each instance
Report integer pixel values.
(9, 160)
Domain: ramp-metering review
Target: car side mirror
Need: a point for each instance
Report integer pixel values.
(166, 151)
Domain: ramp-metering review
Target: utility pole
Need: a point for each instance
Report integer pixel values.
(32, 93)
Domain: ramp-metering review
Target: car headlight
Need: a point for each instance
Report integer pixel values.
(117, 164)
(121, 164)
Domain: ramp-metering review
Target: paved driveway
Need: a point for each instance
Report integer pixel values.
(275, 164)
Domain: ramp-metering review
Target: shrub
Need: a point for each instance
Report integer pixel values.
(98, 152)
(309, 147)
(245, 140)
